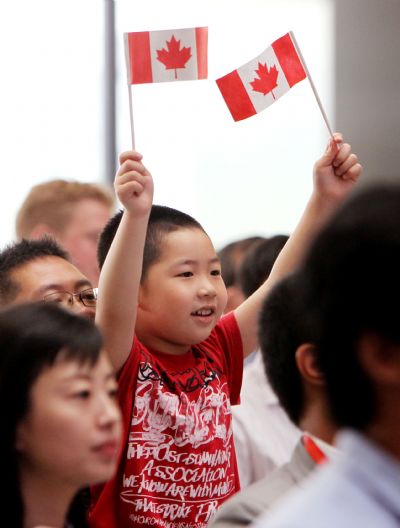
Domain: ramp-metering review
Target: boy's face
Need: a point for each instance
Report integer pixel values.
(183, 294)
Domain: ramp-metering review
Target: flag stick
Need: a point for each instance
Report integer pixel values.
(131, 117)
(311, 83)
(128, 73)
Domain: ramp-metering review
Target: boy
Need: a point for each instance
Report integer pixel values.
(291, 365)
(184, 370)
(351, 294)
(260, 445)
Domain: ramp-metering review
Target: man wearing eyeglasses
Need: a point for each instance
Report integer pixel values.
(34, 270)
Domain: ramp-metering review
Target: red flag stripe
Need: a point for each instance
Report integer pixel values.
(289, 60)
(236, 96)
(140, 58)
(201, 45)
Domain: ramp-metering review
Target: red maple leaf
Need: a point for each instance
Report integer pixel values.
(267, 79)
(173, 57)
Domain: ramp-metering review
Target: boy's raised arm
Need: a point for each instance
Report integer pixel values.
(120, 276)
(335, 174)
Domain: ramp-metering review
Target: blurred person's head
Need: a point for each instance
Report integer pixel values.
(61, 426)
(39, 270)
(258, 262)
(231, 257)
(291, 360)
(74, 213)
(352, 289)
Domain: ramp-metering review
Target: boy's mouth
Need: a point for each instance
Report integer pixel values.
(203, 312)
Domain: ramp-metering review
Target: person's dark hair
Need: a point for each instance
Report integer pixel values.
(32, 337)
(20, 253)
(352, 289)
(231, 257)
(162, 220)
(281, 332)
(258, 262)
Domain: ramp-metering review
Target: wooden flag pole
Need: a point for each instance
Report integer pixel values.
(311, 83)
(131, 117)
(128, 74)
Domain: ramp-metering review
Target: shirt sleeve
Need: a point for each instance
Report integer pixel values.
(229, 341)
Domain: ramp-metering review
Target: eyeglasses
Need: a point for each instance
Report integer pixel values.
(87, 297)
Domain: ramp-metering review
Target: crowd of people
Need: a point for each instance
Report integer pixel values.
(148, 380)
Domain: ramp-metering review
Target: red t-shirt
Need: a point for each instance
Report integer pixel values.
(178, 463)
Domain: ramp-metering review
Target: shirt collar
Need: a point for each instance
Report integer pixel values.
(330, 451)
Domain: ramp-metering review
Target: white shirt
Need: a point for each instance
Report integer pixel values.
(263, 434)
(360, 489)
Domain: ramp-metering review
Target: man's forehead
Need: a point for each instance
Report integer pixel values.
(72, 287)
(49, 272)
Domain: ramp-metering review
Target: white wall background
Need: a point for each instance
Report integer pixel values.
(239, 178)
(236, 178)
(51, 56)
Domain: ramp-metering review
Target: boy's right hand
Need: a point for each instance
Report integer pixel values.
(134, 184)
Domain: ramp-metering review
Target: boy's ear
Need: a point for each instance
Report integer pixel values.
(306, 361)
(380, 359)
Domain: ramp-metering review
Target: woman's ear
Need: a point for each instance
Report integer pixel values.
(306, 361)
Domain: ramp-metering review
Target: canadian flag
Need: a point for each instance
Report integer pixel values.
(169, 55)
(260, 82)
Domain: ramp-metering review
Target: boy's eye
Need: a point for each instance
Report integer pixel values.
(216, 272)
(185, 274)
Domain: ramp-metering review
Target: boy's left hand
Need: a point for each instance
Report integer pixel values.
(336, 172)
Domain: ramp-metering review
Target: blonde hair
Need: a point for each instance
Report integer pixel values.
(50, 203)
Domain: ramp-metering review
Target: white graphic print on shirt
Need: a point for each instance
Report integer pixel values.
(178, 466)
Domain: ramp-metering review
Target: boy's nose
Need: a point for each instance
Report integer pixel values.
(207, 289)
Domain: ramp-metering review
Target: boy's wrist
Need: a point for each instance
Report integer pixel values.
(323, 205)
(135, 214)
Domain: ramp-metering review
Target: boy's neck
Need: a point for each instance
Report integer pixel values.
(316, 421)
(161, 345)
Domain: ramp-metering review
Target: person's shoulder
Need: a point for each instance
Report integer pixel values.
(327, 500)
(251, 502)
(266, 491)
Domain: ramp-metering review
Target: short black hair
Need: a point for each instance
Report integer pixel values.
(258, 263)
(352, 289)
(162, 220)
(281, 332)
(32, 337)
(17, 254)
(231, 257)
